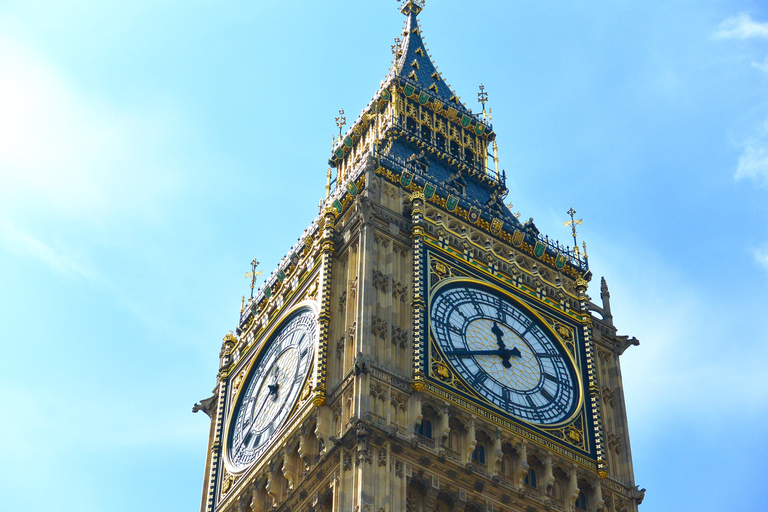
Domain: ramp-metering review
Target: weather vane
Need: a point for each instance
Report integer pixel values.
(482, 97)
(253, 274)
(341, 121)
(573, 223)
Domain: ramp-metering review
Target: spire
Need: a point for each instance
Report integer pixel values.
(413, 64)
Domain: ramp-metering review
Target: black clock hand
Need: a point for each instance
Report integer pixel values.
(467, 353)
(499, 333)
(504, 352)
(272, 393)
(247, 437)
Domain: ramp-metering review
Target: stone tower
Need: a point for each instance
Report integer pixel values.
(420, 349)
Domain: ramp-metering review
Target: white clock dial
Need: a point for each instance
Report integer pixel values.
(271, 389)
(504, 352)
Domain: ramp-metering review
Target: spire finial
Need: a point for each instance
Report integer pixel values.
(482, 97)
(341, 121)
(412, 6)
(573, 223)
(253, 274)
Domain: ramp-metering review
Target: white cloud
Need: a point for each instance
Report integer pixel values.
(60, 260)
(741, 26)
(762, 66)
(753, 162)
(761, 257)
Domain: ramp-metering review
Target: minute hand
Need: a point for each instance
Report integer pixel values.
(467, 353)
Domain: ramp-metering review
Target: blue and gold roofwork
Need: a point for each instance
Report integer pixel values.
(418, 130)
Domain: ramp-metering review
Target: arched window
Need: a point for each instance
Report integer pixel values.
(581, 502)
(425, 429)
(479, 454)
(530, 478)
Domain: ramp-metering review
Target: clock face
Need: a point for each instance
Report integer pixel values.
(271, 389)
(504, 352)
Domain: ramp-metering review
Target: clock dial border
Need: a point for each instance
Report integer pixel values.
(249, 366)
(576, 369)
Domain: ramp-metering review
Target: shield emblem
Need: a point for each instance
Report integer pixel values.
(348, 142)
(560, 261)
(337, 206)
(452, 113)
(538, 250)
(479, 129)
(451, 203)
(409, 89)
(496, 226)
(465, 121)
(267, 292)
(339, 153)
(429, 190)
(405, 179)
(351, 188)
(281, 276)
(474, 214)
(385, 95)
(438, 105)
(295, 259)
(517, 238)
(423, 98)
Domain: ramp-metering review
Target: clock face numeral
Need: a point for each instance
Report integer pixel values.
(504, 352)
(271, 389)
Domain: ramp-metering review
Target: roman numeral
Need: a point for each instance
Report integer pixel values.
(479, 378)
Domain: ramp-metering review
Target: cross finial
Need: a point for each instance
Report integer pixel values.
(573, 223)
(341, 121)
(253, 274)
(482, 96)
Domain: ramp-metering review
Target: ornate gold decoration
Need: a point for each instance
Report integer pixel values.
(306, 391)
(574, 435)
(238, 380)
(227, 484)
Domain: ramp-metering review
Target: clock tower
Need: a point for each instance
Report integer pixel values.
(420, 349)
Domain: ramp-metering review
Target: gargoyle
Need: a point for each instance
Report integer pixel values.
(207, 406)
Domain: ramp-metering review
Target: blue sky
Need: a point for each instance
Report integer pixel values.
(150, 150)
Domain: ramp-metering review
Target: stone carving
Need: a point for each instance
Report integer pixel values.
(399, 291)
(207, 406)
(379, 327)
(342, 301)
(614, 442)
(399, 336)
(380, 281)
